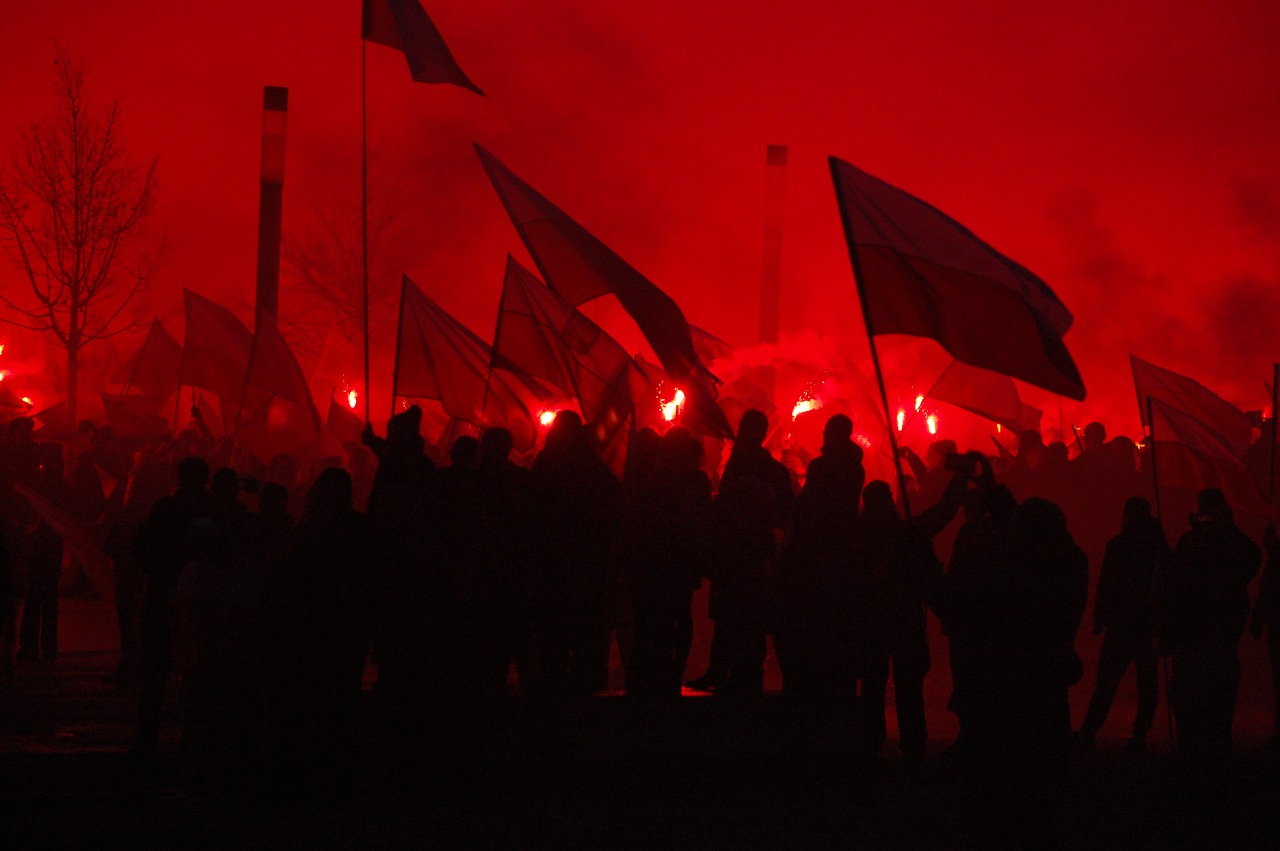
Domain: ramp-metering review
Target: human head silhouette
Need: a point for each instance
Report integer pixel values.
(753, 427)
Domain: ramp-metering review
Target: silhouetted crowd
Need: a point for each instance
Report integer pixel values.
(273, 603)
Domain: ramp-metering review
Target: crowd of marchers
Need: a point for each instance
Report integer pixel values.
(270, 605)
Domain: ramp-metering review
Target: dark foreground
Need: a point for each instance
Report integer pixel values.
(604, 772)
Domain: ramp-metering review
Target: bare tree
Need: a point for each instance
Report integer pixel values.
(325, 263)
(72, 205)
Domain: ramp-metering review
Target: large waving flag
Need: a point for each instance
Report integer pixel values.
(405, 26)
(1192, 398)
(274, 369)
(156, 367)
(1190, 455)
(215, 353)
(272, 365)
(540, 334)
(988, 394)
(922, 273)
(437, 357)
(580, 268)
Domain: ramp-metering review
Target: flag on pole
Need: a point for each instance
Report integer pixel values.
(540, 334)
(343, 422)
(580, 268)
(155, 367)
(437, 357)
(215, 353)
(920, 272)
(272, 365)
(988, 394)
(405, 26)
(1192, 455)
(1191, 397)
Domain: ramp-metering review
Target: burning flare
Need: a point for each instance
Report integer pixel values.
(932, 422)
(546, 418)
(919, 402)
(804, 406)
(352, 396)
(670, 410)
(902, 419)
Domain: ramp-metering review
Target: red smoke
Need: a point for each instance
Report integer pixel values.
(1123, 151)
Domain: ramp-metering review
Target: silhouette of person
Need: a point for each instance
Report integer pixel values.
(814, 587)
(8, 612)
(749, 515)
(931, 475)
(39, 634)
(504, 571)
(1266, 618)
(218, 604)
(146, 482)
(1019, 619)
(896, 562)
(1213, 565)
(162, 547)
(1124, 607)
(673, 506)
(320, 613)
(577, 510)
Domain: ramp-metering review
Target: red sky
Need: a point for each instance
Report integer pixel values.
(1124, 151)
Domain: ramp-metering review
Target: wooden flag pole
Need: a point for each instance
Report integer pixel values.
(875, 355)
(364, 219)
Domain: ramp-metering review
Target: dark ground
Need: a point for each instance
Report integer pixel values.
(709, 774)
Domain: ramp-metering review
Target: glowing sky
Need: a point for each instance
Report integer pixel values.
(1125, 151)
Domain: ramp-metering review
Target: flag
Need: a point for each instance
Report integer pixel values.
(437, 357)
(272, 365)
(215, 353)
(274, 370)
(580, 268)
(540, 334)
(1191, 455)
(337, 366)
(11, 406)
(404, 25)
(155, 368)
(274, 426)
(988, 394)
(920, 272)
(343, 424)
(135, 414)
(708, 346)
(1192, 398)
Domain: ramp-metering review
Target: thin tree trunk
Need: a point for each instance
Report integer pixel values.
(73, 380)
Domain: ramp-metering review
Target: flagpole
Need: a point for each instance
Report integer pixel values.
(177, 403)
(1155, 482)
(364, 219)
(133, 373)
(866, 318)
(1275, 403)
(1151, 439)
(928, 395)
(395, 373)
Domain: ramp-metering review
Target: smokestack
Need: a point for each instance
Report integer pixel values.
(771, 277)
(275, 110)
